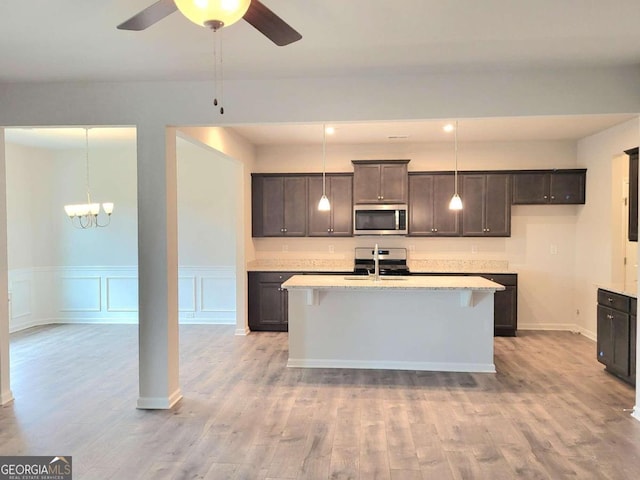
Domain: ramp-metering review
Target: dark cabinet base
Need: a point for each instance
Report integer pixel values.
(505, 311)
(268, 302)
(616, 332)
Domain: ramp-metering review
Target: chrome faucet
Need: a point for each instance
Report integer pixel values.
(376, 264)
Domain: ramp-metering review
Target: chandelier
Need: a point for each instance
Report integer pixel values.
(87, 215)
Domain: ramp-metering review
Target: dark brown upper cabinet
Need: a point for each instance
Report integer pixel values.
(338, 222)
(279, 205)
(486, 200)
(429, 214)
(633, 194)
(549, 187)
(380, 181)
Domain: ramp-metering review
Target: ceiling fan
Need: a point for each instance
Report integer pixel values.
(217, 14)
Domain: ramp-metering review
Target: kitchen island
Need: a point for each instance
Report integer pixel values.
(435, 323)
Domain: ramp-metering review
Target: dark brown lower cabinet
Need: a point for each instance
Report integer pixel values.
(505, 305)
(505, 310)
(616, 331)
(268, 303)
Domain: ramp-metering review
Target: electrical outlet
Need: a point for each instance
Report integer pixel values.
(412, 248)
(474, 249)
(553, 249)
(331, 249)
(285, 247)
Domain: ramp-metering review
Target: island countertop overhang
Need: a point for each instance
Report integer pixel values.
(434, 282)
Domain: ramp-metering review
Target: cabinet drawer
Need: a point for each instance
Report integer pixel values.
(614, 300)
(505, 279)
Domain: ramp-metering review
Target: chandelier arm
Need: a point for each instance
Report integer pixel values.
(98, 224)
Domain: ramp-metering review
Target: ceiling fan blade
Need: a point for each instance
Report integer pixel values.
(150, 15)
(270, 25)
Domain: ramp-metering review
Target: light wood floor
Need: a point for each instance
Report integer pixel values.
(549, 413)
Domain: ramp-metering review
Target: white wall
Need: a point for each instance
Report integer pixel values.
(61, 274)
(595, 233)
(545, 293)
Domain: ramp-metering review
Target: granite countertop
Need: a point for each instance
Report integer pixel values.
(622, 289)
(440, 282)
(415, 266)
(300, 265)
(459, 266)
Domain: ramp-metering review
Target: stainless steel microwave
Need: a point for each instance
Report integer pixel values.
(374, 219)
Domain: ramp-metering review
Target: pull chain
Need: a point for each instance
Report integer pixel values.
(217, 60)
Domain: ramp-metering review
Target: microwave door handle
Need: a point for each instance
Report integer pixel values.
(397, 219)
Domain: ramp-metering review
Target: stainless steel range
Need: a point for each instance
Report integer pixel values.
(392, 261)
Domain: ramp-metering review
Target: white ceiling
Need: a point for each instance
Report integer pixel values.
(69, 40)
(74, 40)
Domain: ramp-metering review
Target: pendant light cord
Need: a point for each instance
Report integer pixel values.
(324, 157)
(455, 139)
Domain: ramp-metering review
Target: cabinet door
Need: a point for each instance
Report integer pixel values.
(421, 204)
(341, 205)
(393, 183)
(339, 220)
(633, 194)
(530, 188)
(613, 340)
(505, 311)
(620, 360)
(319, 222)
(271, 208)
(567, 187)
(473, 187)
(633, 331)
(498, 205)
(268, 301)
(604, 336)
(295, 206)
(445, 221)
(366, 183)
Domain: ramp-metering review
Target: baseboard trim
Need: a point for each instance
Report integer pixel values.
(243, 332)
(159, 403)
(389, 365)
(560, 327)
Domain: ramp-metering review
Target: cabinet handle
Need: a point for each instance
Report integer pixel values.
(553, 197)
(610, 299)
(435, 229)
(328, 230)
(284, 230)
(545, 197)
(609, 316)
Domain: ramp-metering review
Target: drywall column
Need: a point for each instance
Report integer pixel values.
(157, 267)
(5, 388)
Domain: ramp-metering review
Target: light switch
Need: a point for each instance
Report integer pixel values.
(553, 249)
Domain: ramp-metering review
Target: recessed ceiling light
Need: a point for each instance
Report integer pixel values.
(448, 127)
(330, 130)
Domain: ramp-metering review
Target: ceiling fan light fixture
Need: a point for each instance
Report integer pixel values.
(213, 13)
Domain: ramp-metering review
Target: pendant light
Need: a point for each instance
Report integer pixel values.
(456, 201)
(324, 205)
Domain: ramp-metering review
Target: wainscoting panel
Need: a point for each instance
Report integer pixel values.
(99, 294)
(187, 294)
(21, 295)
(80, 294)
(122, 294)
